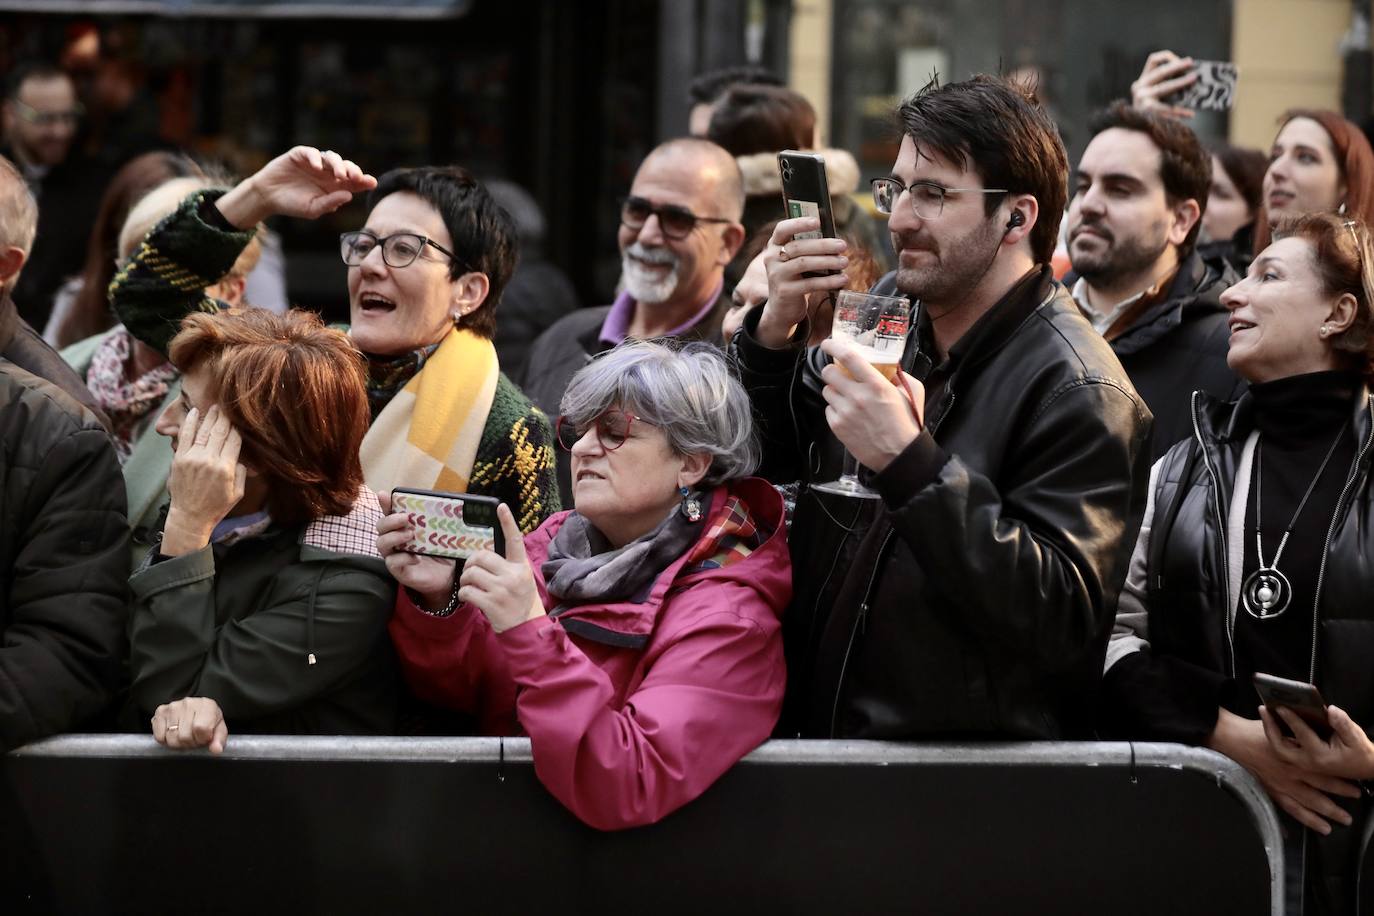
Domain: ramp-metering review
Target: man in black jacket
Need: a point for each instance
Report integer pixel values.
(975, 597)
(1140, 192)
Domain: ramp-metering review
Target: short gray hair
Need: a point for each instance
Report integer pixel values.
(688, 391)
(18, 209)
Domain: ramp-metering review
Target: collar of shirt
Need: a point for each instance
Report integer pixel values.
(616, 327)
(1099, 321)
(240, 527)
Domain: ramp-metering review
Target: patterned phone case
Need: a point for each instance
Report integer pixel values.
(440, 530)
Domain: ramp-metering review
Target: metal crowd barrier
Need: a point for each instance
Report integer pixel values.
(115, 824)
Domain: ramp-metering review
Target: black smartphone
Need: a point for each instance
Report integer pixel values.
(805, 192)
(1303, 699)
(454, 525)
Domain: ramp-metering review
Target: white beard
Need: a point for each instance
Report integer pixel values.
(646, 287)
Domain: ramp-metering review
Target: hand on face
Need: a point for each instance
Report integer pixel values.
(872, 417)
(302, 182)
(429, 577)
(206, 482)
(191, 722)
(790, 295)
(502, 588)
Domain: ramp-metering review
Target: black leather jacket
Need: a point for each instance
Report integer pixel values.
(977, 597)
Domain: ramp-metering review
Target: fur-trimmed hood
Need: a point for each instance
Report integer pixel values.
(761, 176)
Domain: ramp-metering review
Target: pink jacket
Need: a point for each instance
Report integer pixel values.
(632, 710)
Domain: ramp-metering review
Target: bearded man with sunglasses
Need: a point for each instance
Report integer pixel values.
(974, 596)
(679, 227)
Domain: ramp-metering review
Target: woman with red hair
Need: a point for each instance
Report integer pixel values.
(263, 604)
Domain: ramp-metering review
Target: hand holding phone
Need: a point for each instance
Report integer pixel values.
(1304, 700)
(453, 525)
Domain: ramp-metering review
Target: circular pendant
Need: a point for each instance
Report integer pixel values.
(1265, 593)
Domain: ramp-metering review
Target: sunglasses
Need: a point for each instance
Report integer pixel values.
(676, 222)
(612, 429)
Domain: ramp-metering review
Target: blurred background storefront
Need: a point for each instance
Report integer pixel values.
(566, 97)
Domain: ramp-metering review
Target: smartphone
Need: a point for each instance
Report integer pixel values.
(1214, 89)
(454, 525)
(1303, 699)
(805, 192)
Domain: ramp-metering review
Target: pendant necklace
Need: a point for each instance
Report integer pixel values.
(1265, 593)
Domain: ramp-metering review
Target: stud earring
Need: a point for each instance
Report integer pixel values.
(691, 506)
(1325, 330)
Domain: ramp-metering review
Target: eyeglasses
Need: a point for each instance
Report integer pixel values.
(31, 115)
(612, 429)
(927, 198)
(676, 222)
(398, 250)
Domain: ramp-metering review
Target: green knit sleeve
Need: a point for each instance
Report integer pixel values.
(165, 280)
(515, 459)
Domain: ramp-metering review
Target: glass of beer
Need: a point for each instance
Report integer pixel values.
(877, 327)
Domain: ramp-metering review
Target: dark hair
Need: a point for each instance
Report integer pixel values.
(483, 233)
(1354, 157)
(1245, 167)
(90, 310)
(711, 85)
(999, 127)
(32, 70)
(297, 393)
(1185, 167)
(762, 119)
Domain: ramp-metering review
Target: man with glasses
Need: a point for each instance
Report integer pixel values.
(679, 227)
(40, 116)
(974, 596)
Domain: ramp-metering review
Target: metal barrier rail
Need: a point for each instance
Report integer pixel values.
(343, 825)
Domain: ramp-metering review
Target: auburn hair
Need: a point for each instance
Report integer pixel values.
(297, 393)
(1354, 157)
(1344, 258)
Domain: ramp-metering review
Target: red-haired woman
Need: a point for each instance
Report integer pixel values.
(263, 607)
(1254, 554)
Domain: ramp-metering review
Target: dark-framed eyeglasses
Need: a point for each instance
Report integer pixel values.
(398, 250)
(676, 222)
(31, 115)
(927, 197)
(612, 429)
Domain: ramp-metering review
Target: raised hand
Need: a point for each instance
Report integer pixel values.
(874, 418)
(502, 588)
(302, 182)
(206, 482)
(1164, 74)
(789, 293)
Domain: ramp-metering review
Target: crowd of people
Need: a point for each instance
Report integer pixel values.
(1069, 537)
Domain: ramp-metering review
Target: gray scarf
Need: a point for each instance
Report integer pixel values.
(582, 566)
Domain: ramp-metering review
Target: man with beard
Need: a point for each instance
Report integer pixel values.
(40, 116)
(679, 227)
(974, 597)
(1139, 196)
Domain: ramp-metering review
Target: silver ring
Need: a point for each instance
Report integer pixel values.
(172, 728)
(782, 253)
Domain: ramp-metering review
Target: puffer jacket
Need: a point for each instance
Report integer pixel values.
(63, 543)
(285, 631)
(1184, 584)
(975, 599)
(632, 709)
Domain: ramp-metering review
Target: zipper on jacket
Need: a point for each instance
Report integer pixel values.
(1330, 534)
(860, 623)
(1221, 532)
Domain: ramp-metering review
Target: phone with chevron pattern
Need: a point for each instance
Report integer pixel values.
(454, 525)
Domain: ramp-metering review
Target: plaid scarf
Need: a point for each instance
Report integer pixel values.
(386, 375)
(124, 401)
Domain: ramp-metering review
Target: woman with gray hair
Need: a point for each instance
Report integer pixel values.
(635, 639)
